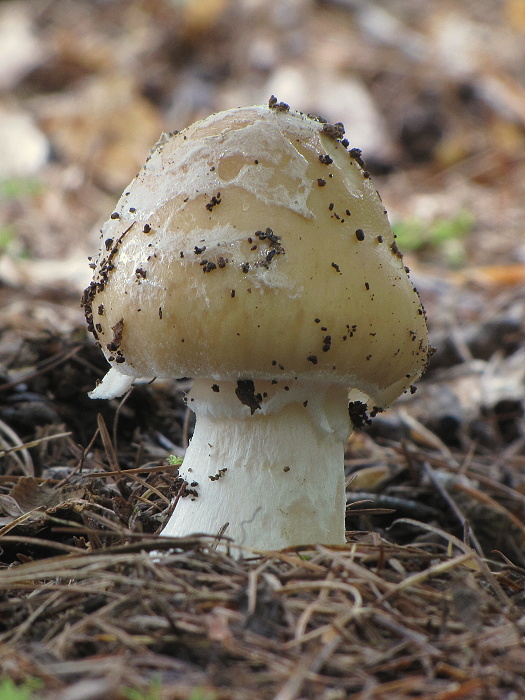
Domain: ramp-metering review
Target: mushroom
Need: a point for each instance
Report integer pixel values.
(253, 254)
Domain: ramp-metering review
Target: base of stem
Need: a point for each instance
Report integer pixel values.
(273, 480)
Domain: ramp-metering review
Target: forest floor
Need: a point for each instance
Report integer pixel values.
(427, 599)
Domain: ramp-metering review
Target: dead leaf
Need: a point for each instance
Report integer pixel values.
(369, 478)
(494, 275)
(106, 126)
(10, 507)
(28, 494)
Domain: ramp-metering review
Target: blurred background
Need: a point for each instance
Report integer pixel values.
(433, 93)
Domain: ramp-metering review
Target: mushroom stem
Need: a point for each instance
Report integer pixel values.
(273, 474)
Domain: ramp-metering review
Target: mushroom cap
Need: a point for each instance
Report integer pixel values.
(254, 245)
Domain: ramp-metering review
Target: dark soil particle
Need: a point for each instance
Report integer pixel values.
(273, 103)
(358, 412)
(214, 201)
(356, 154)
(245, 392)
(105, 266)
(334, 131)
(219, 474)
(117, 336)
(395, 250)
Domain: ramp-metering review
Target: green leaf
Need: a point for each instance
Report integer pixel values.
(25, 691)
(16, 187)
(414, 233)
